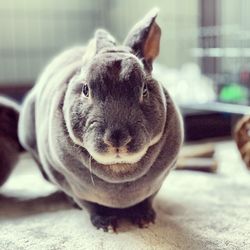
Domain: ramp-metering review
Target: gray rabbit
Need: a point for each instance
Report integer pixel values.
(102, 129)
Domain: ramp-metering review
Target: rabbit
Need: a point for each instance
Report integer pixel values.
(102, 129)
(10, 147)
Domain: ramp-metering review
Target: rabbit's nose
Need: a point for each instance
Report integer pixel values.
(117, 138)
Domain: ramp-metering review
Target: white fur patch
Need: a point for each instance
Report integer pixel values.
(124, 158)
(155, 139)
(111, 158)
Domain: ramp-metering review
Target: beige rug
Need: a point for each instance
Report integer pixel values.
(195, 211)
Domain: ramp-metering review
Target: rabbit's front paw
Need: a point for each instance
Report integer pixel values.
(143, 218)
(107, 223)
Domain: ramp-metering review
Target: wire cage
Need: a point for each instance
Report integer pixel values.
(214, 34)
(224, 52)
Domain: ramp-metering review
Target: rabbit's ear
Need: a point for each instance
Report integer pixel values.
(103, 40)
(144, 38)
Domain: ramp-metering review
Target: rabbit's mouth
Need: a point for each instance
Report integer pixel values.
(114, 157)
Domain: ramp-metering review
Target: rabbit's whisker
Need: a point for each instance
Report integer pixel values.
(90, 170)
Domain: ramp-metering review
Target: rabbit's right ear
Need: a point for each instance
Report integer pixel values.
(144, 38)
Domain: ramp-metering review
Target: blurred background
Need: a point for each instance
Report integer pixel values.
(204, 59)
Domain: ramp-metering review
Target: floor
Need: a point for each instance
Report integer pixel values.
(195, 210)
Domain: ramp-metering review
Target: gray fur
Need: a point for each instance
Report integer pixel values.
(58, 125)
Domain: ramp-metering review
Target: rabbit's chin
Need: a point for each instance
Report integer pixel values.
(110, 159)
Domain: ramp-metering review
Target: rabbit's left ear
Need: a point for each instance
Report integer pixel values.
(144, 38)
(103, 40)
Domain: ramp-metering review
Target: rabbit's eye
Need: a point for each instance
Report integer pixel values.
(85, 90)
(145, 90)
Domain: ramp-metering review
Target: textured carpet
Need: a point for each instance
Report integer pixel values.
(195, 211)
